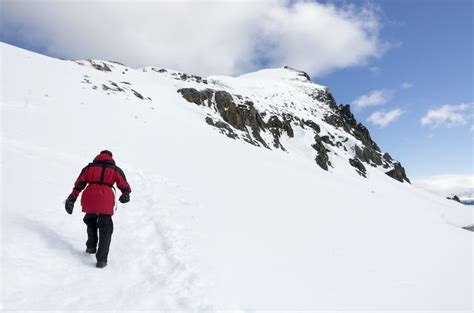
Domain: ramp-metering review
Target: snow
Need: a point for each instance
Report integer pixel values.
(213, 223)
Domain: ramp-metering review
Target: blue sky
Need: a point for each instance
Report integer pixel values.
(435, 54)
(425, 45)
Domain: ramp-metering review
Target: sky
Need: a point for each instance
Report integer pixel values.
(406, 66)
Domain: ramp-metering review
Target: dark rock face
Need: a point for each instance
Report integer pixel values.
(238, 118)
(327, 140)
(138, 95)
(362, 133)
(398, 173)
(100, 66)
(360, 168)
(322, 159)
(368, 155)
(387, 157)
(312, 125)
(228, 110)
(325, 96)
(454, 198)
(343, 118)
(223, 127)
(300, 73)
(198, 97)
(277, 128)
(287, 127)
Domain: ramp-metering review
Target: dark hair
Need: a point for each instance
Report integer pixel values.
(106, 152)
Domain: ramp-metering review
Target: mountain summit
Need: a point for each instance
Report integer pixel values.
(273, 108)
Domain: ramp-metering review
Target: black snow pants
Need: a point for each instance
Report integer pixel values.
(104, 224)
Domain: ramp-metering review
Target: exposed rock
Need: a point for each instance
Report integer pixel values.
(223, 127)
(100, 66)
(360, 168)
(343, 118)
(183, 76)
(250, 117)
(362, 133)
(287, 127)
(228, 110)
(117, 87)
(240, 119)
(197, 97)
(454, 198)
(398, 173)
(322, 159)
(325, 96)
(300, 73)
(326, 139)
(277, 128)
(313, 125)
(368, 155)
(387, 157)
(137, 94)
(116, 62)
(238, 116)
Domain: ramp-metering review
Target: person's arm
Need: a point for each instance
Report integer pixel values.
(123, 185)
(79, 185)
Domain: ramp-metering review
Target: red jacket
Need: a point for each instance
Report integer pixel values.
(99, 177)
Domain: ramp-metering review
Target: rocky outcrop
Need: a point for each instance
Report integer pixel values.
(454, 198)
(100, 66)
(368, 155)
(223, 127)
(300, 73)
(360, 168)
(312, 125)
(277, 128)
(325, 96)
(241, 116)
(322, 159)
(237, 117)
(343, 118)
(398, 173)
(203, 97)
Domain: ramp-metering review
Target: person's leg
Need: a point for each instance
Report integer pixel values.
(91, 222)
(106, 228)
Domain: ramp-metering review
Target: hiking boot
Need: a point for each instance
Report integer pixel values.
(101, 264)
(91, 250)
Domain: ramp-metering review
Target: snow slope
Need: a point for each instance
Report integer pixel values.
(213, 223)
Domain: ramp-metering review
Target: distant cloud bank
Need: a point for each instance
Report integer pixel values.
(444, 185)
(200, 37)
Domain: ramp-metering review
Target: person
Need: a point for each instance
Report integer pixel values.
(98, 202)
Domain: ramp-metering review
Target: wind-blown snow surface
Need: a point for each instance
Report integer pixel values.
(213, 223)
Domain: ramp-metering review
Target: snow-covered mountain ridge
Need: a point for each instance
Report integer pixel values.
(264, 108)
(213, 223)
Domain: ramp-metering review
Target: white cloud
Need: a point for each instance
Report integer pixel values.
(373, 98)
(445, 185)
(200, 37)
(374, 69)
(406, 85)
(383, 119)
(448, 115)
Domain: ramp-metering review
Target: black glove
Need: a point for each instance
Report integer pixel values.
(69, 204)
(124, 198)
